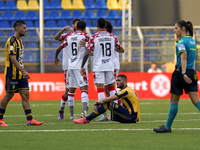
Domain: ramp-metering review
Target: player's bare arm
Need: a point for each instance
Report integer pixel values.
(58, 35)
(56, 61)
(119, 50)
(17, 65)
(183, 67)
(105, 100)
(85, 58)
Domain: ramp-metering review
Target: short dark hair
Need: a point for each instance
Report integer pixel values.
(101, 22)
(81, 25)
(109, 26)
(124, 77)
(75, 20)
(18, 23)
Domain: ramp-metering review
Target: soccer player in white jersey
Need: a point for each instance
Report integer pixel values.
(103, 44)
(60, 36)
(76, 54)
(109, 28)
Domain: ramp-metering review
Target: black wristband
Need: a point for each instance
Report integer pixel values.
(183, 74)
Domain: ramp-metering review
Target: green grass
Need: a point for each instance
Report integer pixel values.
(56, 135)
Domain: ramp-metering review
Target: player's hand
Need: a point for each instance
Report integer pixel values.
(66, 28)
(82, 43)
(187, 79)
(91, 53)
(56, 61)
(82, 72)
(25, 74)
(96, 105)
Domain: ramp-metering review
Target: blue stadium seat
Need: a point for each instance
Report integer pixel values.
(4, 24)
(113, 23)
(89, 14)
(55, 44)
(77, 14)
(54, 15)
(65, 14)
(46, 16)
(119, 23)
(51, 24)
(101, 13)
(95, 23)
(46, 45)
(55, 4)
(29, 24)
(8, 15)
(47, 36)
(113, 14)
(37, 24)
(116, 32)
(34, 36)
(88, 23)
(46, 5)
(11, 5)
(10, 33)
(1, 17)
(2, 37)
(62, 23)
(19, 15)
(49, 56)
(89, 4)
(2, 4)
(32, 45)
(31, 15)
(33, 33)
(101, 4)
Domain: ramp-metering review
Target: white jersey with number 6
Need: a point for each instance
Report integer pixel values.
(103, 44)
(75, 52)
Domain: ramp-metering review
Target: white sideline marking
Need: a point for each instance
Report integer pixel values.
(92, 130)
(51, 115)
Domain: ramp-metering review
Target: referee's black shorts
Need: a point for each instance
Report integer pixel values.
(178, 83)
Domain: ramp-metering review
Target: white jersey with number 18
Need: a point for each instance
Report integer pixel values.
(103, 44)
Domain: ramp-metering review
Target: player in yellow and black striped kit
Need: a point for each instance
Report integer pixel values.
(16, 76)
(129, 112)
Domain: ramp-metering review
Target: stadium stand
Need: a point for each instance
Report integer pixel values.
(112, 5)
(31, 15)
(37, 24)
(65, 14)
(66, 4)
(101, 13)
(8, 15)
(19, 15)
(33, 5)
(22, 5)
(51, 24)
(10, 5)
(101, 4)
(29, 24)
(55, 4)
(3, 7)
(62, 23)
(46, 5)
(78, 4)
(89, 4)
(88, 23)
(89, 14)
(113, 14)
(4, 24)
(54, 15)
(77, 14)
(1, 17)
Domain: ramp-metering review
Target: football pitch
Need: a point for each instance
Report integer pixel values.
(56, 135)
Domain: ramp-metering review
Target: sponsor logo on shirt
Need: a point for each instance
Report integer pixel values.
(105, 60)
(181, 47)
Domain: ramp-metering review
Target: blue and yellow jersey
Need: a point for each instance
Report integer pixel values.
(14, 47)
(188, 45)
(130, 100)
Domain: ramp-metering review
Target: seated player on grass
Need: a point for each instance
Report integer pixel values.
(129, 112)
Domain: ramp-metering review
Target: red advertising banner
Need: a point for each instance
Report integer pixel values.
(51, 86)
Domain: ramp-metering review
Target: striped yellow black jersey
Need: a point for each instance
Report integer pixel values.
(14, 47)
(130, 100)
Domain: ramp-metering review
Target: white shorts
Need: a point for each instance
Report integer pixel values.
(104, 77)
(76, 80)
(66, 79)
(116, 71)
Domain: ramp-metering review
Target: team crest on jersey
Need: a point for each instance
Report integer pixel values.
(181, 47)
(11, 48)
(118, 92)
